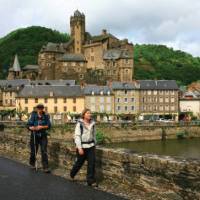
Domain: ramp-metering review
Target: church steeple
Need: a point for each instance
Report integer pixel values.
(16, 66)
(15, 71)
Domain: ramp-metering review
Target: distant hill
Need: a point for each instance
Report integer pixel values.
(151, 61)
(26, 42)
(161, 62)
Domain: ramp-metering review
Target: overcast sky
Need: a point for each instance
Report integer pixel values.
(175, 23)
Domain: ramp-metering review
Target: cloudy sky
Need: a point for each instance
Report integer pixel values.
(175, 23)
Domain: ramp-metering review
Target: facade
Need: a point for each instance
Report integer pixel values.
(99, 99)
(159, 98)
(104, 56)
(57, 99)
(9, 90)
(126, 98)
(190, 103)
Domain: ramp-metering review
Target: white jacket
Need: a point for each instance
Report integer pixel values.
(88, 137)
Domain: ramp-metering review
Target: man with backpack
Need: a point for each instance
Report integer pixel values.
(38, 124)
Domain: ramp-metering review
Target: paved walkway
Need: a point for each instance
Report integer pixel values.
(18, 182)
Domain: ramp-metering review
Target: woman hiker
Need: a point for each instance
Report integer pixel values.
(85, 140)
(38, 124)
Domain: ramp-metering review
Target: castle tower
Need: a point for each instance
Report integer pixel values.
(77, 25)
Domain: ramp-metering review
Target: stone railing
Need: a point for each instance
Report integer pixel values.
(133, 175)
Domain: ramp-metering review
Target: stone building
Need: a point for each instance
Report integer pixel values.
(28, 72)
(105, 54)
(159, 99)
(126, 98)
(57, 99)
(99, 99)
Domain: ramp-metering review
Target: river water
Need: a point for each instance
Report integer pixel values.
(187, 148)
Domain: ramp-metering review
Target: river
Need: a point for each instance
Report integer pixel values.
(187, 148)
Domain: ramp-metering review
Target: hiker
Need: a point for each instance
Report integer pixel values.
(38, 124)
(85, 140)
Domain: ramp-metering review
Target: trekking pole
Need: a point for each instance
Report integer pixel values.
(36, 164)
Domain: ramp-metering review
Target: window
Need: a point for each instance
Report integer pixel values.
(101, 108)
(125, 91)
(92, 50)
(65, 109)
(125, 100)
(92, 58)
(36, 100)
(166, 107)
(26, 100)
(92, 100)
(172, 108)
(55, 100)
(74, 100)
(118, 107)
(118, 100)
(167, 99)
(65, 100)
(155, 92)
(101, 99)
(161, 99)
(149, 92)
(172, 92)
(92, 108)
(172, 99)
(46, 109)
(26, 109)
(55, 109)
(108, 108)
(45, 100)
(74, 108)
(132, 99)
(108, 99)
(125, 108)
(132, 107)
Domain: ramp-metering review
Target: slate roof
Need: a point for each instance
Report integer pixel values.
(14, 83)
(16, 66)
(98, 38)
(53, 47)
(114, 54)
(77, 13)
(31, 67)
(53, 82)
(73, 57)
(117, 85)
(46, 90)
(158, 85)
(96, 90)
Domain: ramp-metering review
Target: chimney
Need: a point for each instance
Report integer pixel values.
(104, 32)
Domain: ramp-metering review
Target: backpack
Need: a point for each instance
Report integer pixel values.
(81, 128)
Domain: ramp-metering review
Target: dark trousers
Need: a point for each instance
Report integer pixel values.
(34, 144)
(89, 155)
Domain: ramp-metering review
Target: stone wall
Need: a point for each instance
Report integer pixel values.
(134, 176)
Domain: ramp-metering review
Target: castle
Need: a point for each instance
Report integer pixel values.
(82, 57)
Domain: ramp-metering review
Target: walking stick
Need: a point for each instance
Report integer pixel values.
(36, 163)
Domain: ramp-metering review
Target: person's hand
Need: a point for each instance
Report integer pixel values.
(81, 151)
(32, 128)
(39, 127)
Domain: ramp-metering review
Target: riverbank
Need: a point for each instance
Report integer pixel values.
(125, 173)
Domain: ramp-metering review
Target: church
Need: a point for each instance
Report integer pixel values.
(83, 58)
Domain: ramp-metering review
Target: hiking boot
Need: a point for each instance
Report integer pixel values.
(47, 170)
